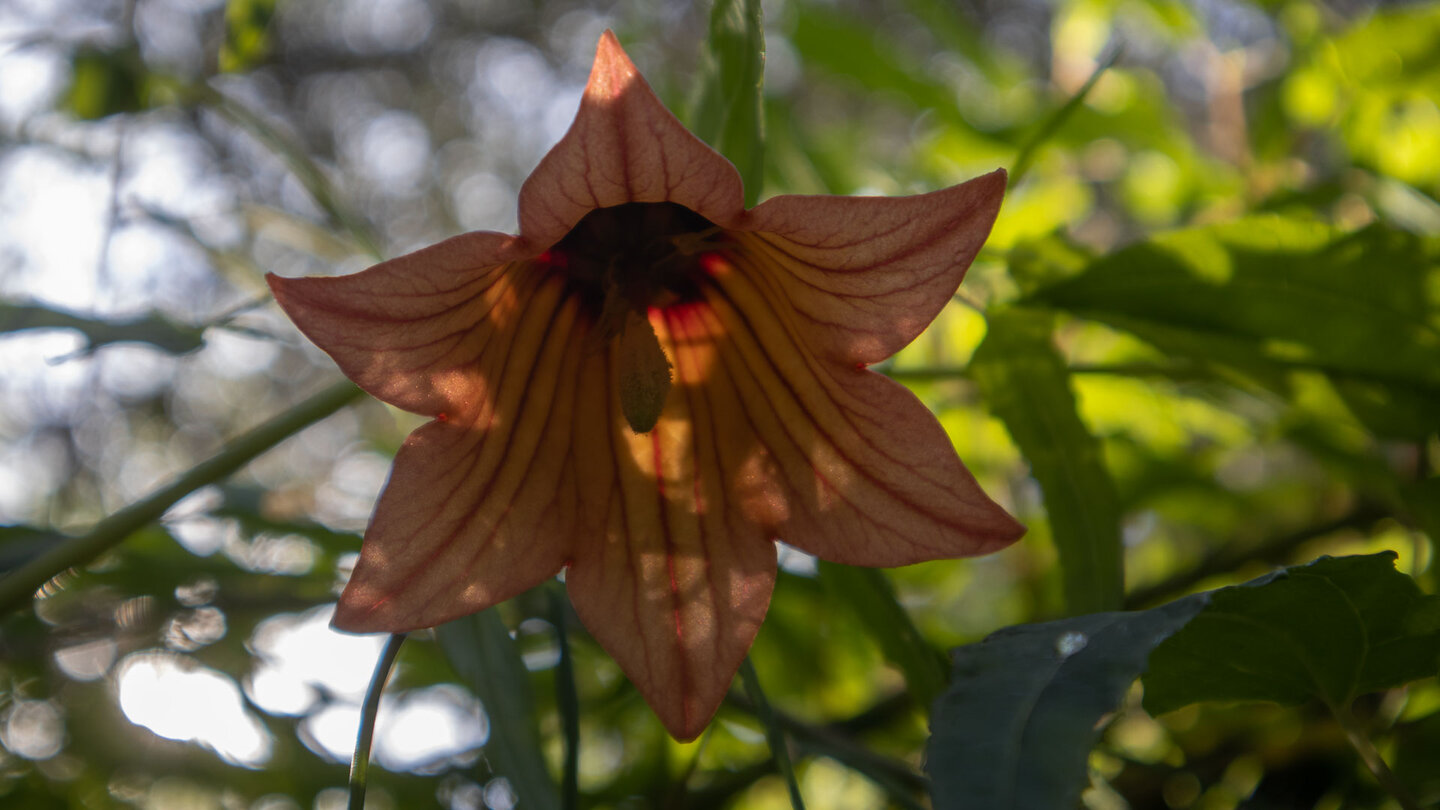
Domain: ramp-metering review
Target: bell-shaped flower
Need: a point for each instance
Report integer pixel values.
(646, 388)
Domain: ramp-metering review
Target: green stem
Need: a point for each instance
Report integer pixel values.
(360, 764)
(837, 740)
(568, 703)
(779, 749)
(1372, 759)
(21, 584)
(1027, 152)
(306, 170)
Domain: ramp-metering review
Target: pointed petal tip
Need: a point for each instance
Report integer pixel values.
(992, 184)
(1008, 530)
(372, 612)
(685, 734)
(348, 620)
(994, 529)
(612, 70)
(289, 292)
(1001, 180)
(275, 283)
(685, 717)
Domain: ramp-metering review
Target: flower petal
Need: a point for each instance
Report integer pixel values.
(673, 583)
(624, 146)
(484, 504)
(409, 330)
(855, 470)
(868, 274)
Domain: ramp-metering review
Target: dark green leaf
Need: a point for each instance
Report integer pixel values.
(870, 595)
(480, 648)
(1333, 629)
(1025, 382)
(19, 543)
(1391, 411)
(1023, 709)
(729, 109)
(1423, 498)
(1024, 706)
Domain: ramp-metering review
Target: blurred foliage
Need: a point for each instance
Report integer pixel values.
(247, 33)
(1210, 346)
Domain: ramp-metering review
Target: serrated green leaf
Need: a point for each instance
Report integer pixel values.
(1015, 728)
(1334, 629)
(729, 109)
(870, 595)
(1026, 384)
(480, 648)
(1024, 706)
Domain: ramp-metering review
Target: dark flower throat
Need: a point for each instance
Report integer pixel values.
(621, 262)
(631, 257)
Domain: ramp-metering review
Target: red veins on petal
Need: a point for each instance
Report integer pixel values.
(772, 427)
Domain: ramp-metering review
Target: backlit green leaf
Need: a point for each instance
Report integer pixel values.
(1285, 291)
(480, 648)
(1026, 384)
(870, 595)
(729, 109)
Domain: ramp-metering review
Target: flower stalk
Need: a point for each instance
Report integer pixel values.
(360, 762)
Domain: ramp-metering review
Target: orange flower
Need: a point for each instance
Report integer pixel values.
(646, 388)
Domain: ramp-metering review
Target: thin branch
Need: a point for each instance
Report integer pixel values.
(1372, 759)
(1047, 130)
(17, 587)
(899, 778)
(779, 749)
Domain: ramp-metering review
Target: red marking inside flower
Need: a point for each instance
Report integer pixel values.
(553, 259)
(714, 263)
(676, 599)
(442, 417)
